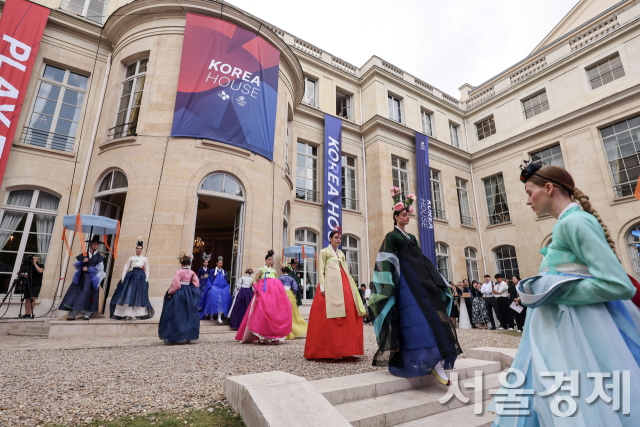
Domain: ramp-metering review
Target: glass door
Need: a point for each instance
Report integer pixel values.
(236, 254)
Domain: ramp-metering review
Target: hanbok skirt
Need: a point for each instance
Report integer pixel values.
(479, 311)
(298, 325)
(419, 350)
(269, 315)
(179, 321)
(131, 297)
(81, 296)
(239, 308)
(216, 298)
(338, 337)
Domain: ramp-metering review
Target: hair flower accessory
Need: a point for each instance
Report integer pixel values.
(401, 201)
(184, 254)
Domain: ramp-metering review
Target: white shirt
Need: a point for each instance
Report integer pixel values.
(569, 206)
(487, 290)
(502, 289)
(136, 261)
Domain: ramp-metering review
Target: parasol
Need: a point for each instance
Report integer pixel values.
(92, 224)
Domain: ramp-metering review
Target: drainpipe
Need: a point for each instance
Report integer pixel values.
(366, 205)
(83, 183)
(475, 199)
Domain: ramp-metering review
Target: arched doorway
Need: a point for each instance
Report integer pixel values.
(220, 223)
(109, 202)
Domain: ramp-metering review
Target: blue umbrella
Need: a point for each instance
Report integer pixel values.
(92, 224)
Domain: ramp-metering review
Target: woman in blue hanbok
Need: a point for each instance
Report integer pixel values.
(130, 301)
(204, 273)
(216, 298)
(580, 319)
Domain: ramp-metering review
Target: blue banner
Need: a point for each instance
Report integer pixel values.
(332, 205)
(425, 212)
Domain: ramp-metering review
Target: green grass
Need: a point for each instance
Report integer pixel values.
(218, 418)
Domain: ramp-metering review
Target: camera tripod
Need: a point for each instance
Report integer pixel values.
(24, 269)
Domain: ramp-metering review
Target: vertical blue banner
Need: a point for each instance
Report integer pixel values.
(332, 205)
(425, 213)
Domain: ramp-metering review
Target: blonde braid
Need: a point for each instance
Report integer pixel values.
(583, 199)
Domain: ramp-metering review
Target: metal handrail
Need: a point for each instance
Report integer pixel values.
(42, 138)
(123, 130)
(466, 220)
(439, 214)
(348, 203)
(304, 194)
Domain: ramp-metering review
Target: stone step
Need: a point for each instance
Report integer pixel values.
(43, 330)
(455, 417)
(351, 388)
(409, 405)
(29, 334)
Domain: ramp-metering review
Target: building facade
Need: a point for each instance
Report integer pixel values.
(93, 137)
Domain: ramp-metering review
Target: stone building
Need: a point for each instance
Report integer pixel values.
(101, 99)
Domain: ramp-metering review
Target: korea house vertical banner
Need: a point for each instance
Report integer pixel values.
(228, 86)
(21, 28)
(424, 208)
(332, 205)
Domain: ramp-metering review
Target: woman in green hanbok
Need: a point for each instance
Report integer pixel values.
(580, 320)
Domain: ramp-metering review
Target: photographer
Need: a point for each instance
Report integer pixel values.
(33, 284)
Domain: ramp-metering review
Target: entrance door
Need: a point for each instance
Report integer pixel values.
(113, 211)
(238, 228)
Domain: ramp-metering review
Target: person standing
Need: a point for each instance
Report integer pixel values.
(298, 325)
(363, 295)
(514, 297)
(32, 286)
(269, 316)
(463, 289)
(83, 295)
(414, 333)
(296, 276)
(480, 316)
(335, 320)
(241, 301)
(130, 301)
(455, 309)
(179, 321)
(580, 321)
(217, 298)
(501, 291)
(203, 274)
(490, 302)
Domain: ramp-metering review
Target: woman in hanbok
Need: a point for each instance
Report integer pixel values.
(242, 299)
(203, 273)
(580, 320)
(298, 325)
(130, 301)
(217, 297)
(268, 318)
(414, 332)
(479, 310)
(335, 320)
(179, 321)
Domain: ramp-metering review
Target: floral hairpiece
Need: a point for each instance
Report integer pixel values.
(401, 202)
(338, 229)
(184, 254)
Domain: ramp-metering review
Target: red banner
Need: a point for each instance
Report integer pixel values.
(21, 27)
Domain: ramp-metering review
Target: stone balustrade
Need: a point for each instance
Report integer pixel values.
(594, 33)
(480, 97)
(528, 70)
(392, 69)
(423, 85)
(307, 48)
(343, 65)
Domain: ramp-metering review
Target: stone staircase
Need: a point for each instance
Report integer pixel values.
(35, 328)
(378, 399)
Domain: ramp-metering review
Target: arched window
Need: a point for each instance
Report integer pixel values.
(507, 262)
(442, 259)
(308, 238)
(471, 259)
(223, 184)
(28, 218)
(633, 243)
(351, 253)
(113, 182)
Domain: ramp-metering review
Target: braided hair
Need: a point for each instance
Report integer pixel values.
(563, 181)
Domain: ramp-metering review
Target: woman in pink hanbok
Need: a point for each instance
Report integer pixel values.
(268, 318)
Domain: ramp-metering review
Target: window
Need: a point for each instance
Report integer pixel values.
(113, 182)
(507, 262)
(350, 249)
(349, 195)
(395, 112)
(633, 243)
(400, 172)
(442, 260)
(463, 202)
(535, 105)
(622, 148)
(343, 105)
(54, 119)
(285, 226)
(471, 258)
(453, 130)
(485, 128)
(130, 100)
(436, 195)
(427, 127)
(94, 10)
(26, 227)
(307, 172)
(222, 183)
(496, 200)
(605, 72)
(548, 156)
(309, 91)
(308, 238)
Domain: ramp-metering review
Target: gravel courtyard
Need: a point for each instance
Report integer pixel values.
(71, 386)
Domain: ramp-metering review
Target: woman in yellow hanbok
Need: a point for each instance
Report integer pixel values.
(298, 325)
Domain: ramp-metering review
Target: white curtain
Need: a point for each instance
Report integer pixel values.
(352, 262)
(44, 228)
(10, 221)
